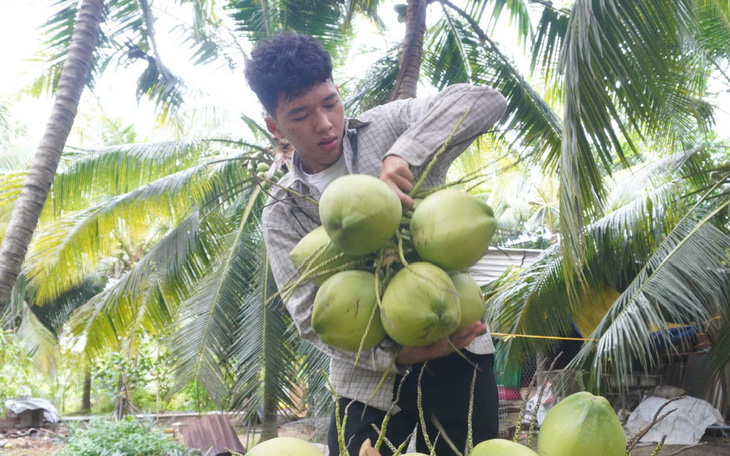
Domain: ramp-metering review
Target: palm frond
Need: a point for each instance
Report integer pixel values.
(210, 315)
(11, 183)
(325, 21)
(85, 176)
(624, 72)
(675, 286)
(266, 350)
(549, 37)
(714, 23)
(127, 34)
(374, 89)
(528, 119)
(670, 269)
(39, 342)
(519, 13)
(532, 302)
(156, 285)
(78, 242)
(65, 251)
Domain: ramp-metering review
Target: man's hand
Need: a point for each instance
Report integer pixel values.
(441, 348)
(396, 173)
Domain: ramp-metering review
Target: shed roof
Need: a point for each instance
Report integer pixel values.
(497, 260)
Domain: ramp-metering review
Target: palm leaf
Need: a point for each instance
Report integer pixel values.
(621, 75)
(675, 285)
(267, 360)
(77, 243)
(38, 342)
(155, 285)
(201, 344)
(528, 119)
(374, 89)
(322, 20)
(641, 245)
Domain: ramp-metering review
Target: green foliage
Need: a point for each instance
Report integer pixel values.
(128, 437)
(18, 376)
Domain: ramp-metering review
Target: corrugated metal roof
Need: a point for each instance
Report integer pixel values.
(496, 261)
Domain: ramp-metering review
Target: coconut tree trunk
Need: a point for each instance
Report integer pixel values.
(43, 168)
(121, 402)
(406, 82)
(86, 396)
(269, 425)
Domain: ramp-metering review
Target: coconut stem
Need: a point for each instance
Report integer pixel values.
(386, 419)
(659, 446)
(367, 329)
(419, 404)
(401, 255)
(288, 190)
(469, 429)
(634, 439)
(339, 423)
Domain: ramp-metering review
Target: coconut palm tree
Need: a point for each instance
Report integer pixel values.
(204, 204)
(77, 53)
(28, 208)
(661, 256)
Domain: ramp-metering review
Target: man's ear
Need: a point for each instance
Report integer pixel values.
(272, 127)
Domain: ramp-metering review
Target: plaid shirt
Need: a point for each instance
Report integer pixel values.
(413, 129)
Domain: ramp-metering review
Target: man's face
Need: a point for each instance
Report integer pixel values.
(313, 123)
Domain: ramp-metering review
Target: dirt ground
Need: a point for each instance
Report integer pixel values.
(711, 446)
(45, 442)
(30, 442)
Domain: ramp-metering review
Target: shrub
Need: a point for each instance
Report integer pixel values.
(128, 437)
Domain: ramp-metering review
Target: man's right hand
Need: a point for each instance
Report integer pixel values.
(440, 348)
(396, 172)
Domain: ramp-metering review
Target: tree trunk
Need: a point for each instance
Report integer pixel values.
(269, 425)
(45, 161)
(121, 403)
(406, 83)
(86, 396)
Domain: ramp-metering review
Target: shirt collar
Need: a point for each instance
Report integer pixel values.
(351, 126)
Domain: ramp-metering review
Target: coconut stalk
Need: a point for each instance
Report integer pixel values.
(634, 439)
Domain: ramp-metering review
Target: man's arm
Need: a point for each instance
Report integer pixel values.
(457, 116)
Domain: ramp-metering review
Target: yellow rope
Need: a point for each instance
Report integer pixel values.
(531, 336)
(510, 336)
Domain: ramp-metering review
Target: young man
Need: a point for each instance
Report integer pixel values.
(292, 77)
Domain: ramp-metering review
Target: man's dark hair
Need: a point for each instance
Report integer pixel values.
(287, 64)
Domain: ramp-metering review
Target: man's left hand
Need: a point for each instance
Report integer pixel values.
(396, 172)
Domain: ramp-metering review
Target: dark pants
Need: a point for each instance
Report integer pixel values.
(446, 388)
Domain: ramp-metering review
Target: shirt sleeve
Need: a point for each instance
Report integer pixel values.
(457, 115)
(280, 238)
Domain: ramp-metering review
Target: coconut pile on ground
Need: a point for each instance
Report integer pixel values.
(383, 273)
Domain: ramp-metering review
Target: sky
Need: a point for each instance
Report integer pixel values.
(115, 96)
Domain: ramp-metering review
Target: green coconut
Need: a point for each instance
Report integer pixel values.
(284, 446)
(452, 229)
(345, 313)
(471, 299)
(360, 213)
(316, 254)
(581, 424)
(502, 447)
(420, 305)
